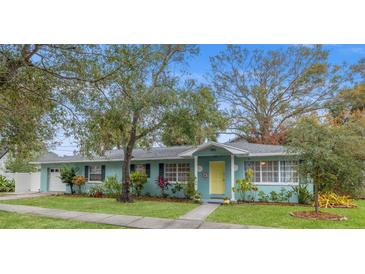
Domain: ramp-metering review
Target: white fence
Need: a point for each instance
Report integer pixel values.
(26, 182)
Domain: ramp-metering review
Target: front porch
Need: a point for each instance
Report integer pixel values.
(216, 169)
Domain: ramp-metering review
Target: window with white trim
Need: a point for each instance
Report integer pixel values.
(95, 173)
(177, 172)
(267, 172)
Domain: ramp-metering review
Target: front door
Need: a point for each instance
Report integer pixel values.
(217, 183)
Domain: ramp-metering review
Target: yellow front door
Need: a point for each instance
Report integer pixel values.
(216, 178)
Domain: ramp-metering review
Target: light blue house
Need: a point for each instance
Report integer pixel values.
(215, 165)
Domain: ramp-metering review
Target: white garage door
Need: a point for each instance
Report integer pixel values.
(54, 181)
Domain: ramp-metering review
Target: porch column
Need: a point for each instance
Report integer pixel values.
(232, 178)
(196, 172)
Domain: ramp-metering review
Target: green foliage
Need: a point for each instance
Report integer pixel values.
(111, 187)
(177, 187)
(21, 164)
(195, 117)
(138, 180)
(189, 189)
(263, 197)
(245, 187)
(96, 191)
(274, 197)
(303, 194)
(197, 198)
(6, 185)
(67, 174)
(329, 154)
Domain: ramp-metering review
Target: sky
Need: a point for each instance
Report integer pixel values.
(199, 67)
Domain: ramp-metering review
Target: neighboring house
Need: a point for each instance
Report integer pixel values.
(215, 165)
(3, 160)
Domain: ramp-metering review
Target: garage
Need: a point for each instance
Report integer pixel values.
(54, 181)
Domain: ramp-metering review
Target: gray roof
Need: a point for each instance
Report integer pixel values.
(159, 153)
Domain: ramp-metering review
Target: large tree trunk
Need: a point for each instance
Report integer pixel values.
(124, 196)
(316, 204)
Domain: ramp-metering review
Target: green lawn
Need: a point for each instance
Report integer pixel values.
(105, 205)
(15, 220)
(278, 216)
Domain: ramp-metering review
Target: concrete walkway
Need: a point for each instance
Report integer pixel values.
(200, 213)
(123, 220)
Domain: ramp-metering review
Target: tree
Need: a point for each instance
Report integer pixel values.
(127, 108)
(34, 80)
(194, 118)
(350, 102)
(267, 90)
(329, 155)
(67, 175)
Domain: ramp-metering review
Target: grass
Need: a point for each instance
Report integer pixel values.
(278, 216)
(106, 205)
(15, 220)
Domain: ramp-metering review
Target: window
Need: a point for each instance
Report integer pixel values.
(177, 172)
(267, 172)
(95, 173)
(141, 168)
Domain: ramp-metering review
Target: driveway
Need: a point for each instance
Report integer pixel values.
(14, 196)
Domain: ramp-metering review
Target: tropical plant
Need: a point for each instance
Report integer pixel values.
(303, 194)
(112, 187)
(79, 181)
(96, 191)
(274, 197)
(245, 188)
(138, 180)
(284, 195)
(331, 199)
(6, 185)
(67, 174)
(163, 184)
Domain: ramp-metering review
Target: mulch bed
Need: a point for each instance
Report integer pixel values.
(318, 216)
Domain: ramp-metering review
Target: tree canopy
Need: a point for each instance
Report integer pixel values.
(194, 118)
(266, 90)
(330, 154)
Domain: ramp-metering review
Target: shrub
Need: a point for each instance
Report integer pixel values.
(163, 184)
(96, 191)
(274, 197)
(138, 180)
(245, 187)
(79, 181)
(6, 185)
(304, 196)
(111, 187)
(331, 199)
(197, 198)
(189, 188)
(263, 197)
(67, 174)
(177, 187)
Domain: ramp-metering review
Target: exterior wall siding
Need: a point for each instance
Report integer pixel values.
(204, 157)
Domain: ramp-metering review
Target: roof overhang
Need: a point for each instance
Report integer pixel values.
(232, 150)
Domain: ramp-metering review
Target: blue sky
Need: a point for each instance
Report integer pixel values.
(200, 66)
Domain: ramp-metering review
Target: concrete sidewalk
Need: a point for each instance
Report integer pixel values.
(121, 220)
(14, 196)
(200, 213)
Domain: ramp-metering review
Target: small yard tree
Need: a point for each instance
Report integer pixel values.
(330, 155)
(67, 175)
